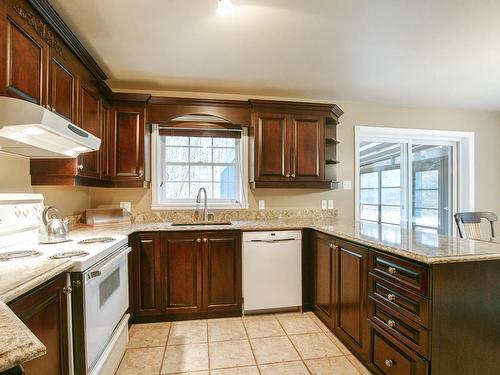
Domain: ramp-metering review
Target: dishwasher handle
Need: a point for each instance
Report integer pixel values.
(275, 240)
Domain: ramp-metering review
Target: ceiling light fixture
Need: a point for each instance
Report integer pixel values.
(224, 7)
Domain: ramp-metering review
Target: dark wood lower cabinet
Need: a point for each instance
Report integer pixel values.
(44, 311)
(324, 278)
(181, 275)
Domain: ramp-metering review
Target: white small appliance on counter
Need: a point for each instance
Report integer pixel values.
(272, 271)
(98, 282)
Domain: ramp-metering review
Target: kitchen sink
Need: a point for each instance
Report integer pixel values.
(202, 223)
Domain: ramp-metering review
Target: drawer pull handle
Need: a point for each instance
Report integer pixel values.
(198, 240)
(391, 297)
(391, 323)
(393, 270)
(389, 362)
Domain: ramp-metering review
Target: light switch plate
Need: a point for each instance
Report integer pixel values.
(262, 204)
(347, 185)
(126, 205)
(324, 204)
(330, 204)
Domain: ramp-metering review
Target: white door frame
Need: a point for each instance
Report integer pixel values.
(463, 163)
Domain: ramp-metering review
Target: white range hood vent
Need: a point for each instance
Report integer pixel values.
(30, 130)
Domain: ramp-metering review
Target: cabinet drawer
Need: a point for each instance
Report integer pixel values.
(400, 272)
(411, 305)
(405, 330)
(391, 357)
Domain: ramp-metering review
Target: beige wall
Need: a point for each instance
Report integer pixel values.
(15, 170)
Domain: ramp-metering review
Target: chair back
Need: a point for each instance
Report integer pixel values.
(471, 223)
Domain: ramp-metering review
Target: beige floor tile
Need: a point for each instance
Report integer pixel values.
(226, 354)
(226, 329)
(296, 325)
(192, 373)
(315, 345)
(338, 343)
(185, 358)
(319, 323)
(273, 349)
(328, 366)
(288, 368)
(252, 370)
(266, 326)
(192, 332)
(148, 335)
(359, 366)
(141, 361)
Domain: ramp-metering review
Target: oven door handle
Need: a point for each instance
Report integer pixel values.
(93, 274)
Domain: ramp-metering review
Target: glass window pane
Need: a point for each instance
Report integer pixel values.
(176, 154)
(426, 199)
(391, 196)
(427, 180)
(176, 190)
(201, 173)
(177, 141)
(176, 173)
(369, 196)
(200, 141)
(369, 213)
(369, 180)
(200, 155)
(224, 191)
(428, 218)
(224, 155)
(224, 142)
(195, 186)
(224, 174)
(391, 178)
(391, 215)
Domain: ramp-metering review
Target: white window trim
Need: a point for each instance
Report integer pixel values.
(465, 186)
(156, 173)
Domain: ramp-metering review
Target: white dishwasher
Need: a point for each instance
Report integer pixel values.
(272, 270)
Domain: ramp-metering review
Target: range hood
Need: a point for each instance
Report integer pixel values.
(30, 130)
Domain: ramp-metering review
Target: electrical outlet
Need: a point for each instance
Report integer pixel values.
(262, 204)
(347, 185)
(324, 204)
(330, 204)
(126, 205)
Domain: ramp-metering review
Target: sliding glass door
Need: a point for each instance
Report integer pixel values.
(408, 184)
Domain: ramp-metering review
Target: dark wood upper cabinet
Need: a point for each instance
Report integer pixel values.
(26, 63)
(222, 271)
(44, 311)
(105, 150)
(307, 135)
(62, 90)
(181, 272)
(127, 144)
(88, 119)
(324, 278)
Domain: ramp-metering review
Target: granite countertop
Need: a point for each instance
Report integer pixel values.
(18, 344)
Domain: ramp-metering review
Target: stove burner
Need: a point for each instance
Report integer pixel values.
(69, 254)
(89, 241)
(19, 254)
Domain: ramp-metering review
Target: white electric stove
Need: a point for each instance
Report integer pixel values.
(98, 280)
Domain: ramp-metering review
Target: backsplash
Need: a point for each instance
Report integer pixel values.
(189, 216)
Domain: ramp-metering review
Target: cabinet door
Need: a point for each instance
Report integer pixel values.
(307, 148)
(272, 156)
(127, 144)
(44, 311)
(221, 271)
(26, 64)
(181, 268)
(105, 149)
(62, 92)
(352, 296)
(88, 119)
(323, 297)
(146, 274)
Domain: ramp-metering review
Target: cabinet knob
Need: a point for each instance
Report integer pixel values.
(392, 270)
(205, 240)
(391, 297)
(331, 246)
(391, 323)
(198, 240)
(293, 174)
(67, 289)
(287, 175)
(389, 362)
(80, 167)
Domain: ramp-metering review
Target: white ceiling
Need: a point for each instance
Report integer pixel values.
(423, 52)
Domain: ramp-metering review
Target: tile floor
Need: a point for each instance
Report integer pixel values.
(291, 344)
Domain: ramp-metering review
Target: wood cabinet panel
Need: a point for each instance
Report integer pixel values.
(88, 119)
(221, 271)
(105, 149)
(272, 155)
(44, 312)
(182, 272)
(62, 95)
(323, 294)
(307, 148)
(26, 64)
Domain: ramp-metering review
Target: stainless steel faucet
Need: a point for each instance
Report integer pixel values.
(198, 200)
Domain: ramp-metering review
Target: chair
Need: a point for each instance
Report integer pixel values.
(471, 222)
